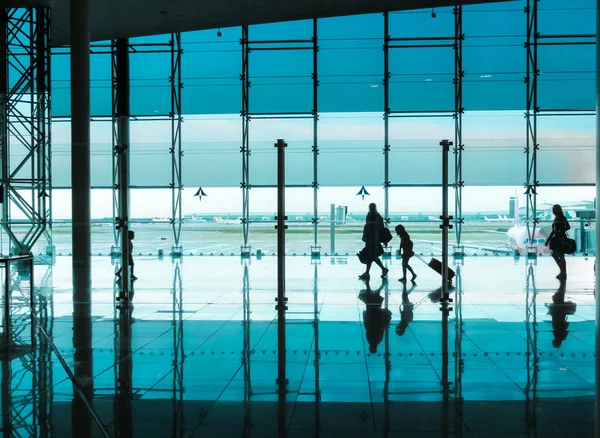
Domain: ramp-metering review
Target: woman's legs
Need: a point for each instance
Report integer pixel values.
(561, 262)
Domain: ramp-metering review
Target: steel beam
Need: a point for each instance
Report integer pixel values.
(176, 150)
(597, 407)
(315, 147)
(245, 148)
(281, 297)
(25, 126)
(532, 109)
(386, 117)
(445, 301)
(458, 115)
(123, 151)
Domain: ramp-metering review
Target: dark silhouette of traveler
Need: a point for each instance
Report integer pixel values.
(373, 248)
(559, 310)
(375, 318)
(406, 250)
(406, 310)
(560, 226)
(131, 236)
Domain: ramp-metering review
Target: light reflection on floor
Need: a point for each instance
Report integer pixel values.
(201, 356)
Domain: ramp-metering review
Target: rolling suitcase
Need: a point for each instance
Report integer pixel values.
(436, 265)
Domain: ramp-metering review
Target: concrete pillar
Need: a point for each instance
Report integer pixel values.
(80, 149)
(80, 183)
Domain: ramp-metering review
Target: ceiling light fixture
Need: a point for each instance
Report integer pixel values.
(433, 14)
(219, 34)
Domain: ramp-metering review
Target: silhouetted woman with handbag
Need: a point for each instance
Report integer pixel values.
(556, 239)
(373, 248)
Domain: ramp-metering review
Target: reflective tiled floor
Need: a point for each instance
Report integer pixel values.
(197, 352)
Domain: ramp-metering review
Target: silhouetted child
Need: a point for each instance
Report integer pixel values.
(131, 236)
(406, 250)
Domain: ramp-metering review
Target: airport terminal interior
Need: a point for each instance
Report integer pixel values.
(184, 193)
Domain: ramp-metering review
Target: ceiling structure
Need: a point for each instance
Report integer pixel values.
(113, 19)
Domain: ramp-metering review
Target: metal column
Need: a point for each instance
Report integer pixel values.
(245, 148)
(80, 150)
(458, 114)
(532, 109)
(25, 125)
(80, 184)
(445, 226)
(386, 117)
(281, 298)
(175, 150)
(597, 410)
(315, 147)
(122, 150)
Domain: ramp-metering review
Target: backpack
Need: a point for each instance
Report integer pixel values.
(385, 236)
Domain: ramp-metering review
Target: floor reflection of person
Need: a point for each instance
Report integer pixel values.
(406, 310)
(559, 310)
(375, 318)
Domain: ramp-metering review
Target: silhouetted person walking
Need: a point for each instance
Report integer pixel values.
(373, 248)
(559, 310)
(406, 250)
(131, 236)
(375, 318)
(560, 226)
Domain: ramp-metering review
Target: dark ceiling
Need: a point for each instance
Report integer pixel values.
(112, 19)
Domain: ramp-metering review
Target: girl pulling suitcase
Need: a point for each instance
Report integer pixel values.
(406, 250)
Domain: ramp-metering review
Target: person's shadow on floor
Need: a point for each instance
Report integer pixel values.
(559, 310)
(375, 318)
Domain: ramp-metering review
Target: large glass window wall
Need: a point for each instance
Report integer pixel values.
(322, 85)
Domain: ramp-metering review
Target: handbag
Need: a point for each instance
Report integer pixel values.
(362, 257)
(569, 246)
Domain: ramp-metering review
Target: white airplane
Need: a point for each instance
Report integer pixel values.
(500, 219)
(219, 220)
(517, 239)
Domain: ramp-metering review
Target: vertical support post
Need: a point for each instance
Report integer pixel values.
(245, 149)
(123, 152)
(80, 151)
(116, 248)
(532, 109)
(281, 298)
(4, 123)
(445, 309)
(445, 226)
(332, 230)
(25, 108)
(80, 184)
(458, 114)
(315, 147)
(175, 150)
(597, 408)
(386, 117)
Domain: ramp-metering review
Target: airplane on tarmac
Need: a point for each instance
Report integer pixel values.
(500, 219)
(517, 239)
(219, 220)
